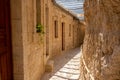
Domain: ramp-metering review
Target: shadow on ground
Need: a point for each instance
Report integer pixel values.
(66, 66)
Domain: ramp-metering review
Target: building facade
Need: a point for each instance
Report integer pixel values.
(62, 28)
(23, 51)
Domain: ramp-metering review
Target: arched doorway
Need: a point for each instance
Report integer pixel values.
(5, 41)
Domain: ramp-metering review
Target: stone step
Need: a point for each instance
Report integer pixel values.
(49, 66)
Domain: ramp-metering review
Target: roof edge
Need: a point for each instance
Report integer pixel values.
(66, 10)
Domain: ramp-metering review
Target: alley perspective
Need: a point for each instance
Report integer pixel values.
(60, 40)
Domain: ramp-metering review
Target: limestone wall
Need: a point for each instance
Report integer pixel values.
(30, 54)
(28, 63)
(101, 50)
(60, 15)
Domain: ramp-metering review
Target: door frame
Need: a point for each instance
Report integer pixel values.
(7, 68)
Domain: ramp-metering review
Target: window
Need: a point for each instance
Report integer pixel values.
(69, 29)
(38, 11)
(56, 28)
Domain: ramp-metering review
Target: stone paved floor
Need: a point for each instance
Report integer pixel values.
(66, 66)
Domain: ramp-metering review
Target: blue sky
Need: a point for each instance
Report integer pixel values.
(76, 6)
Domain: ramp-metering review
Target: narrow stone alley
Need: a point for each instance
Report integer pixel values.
(66, 66)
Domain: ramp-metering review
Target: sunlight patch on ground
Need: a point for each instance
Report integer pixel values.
(70, 71)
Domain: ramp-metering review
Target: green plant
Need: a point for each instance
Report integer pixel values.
(40, 30)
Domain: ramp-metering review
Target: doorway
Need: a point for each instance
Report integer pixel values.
(63, 36)
(5, 41)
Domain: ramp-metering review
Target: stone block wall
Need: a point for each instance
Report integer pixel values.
(62, 16)
(28, 51)
(17, 39)
(101, 50)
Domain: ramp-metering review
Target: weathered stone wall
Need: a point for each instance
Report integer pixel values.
(28, 63)
(29, 52)
(56, 13)
(101, 50)
(78, 28)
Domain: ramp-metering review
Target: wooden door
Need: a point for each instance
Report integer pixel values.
(63, 36)
(5, 41)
